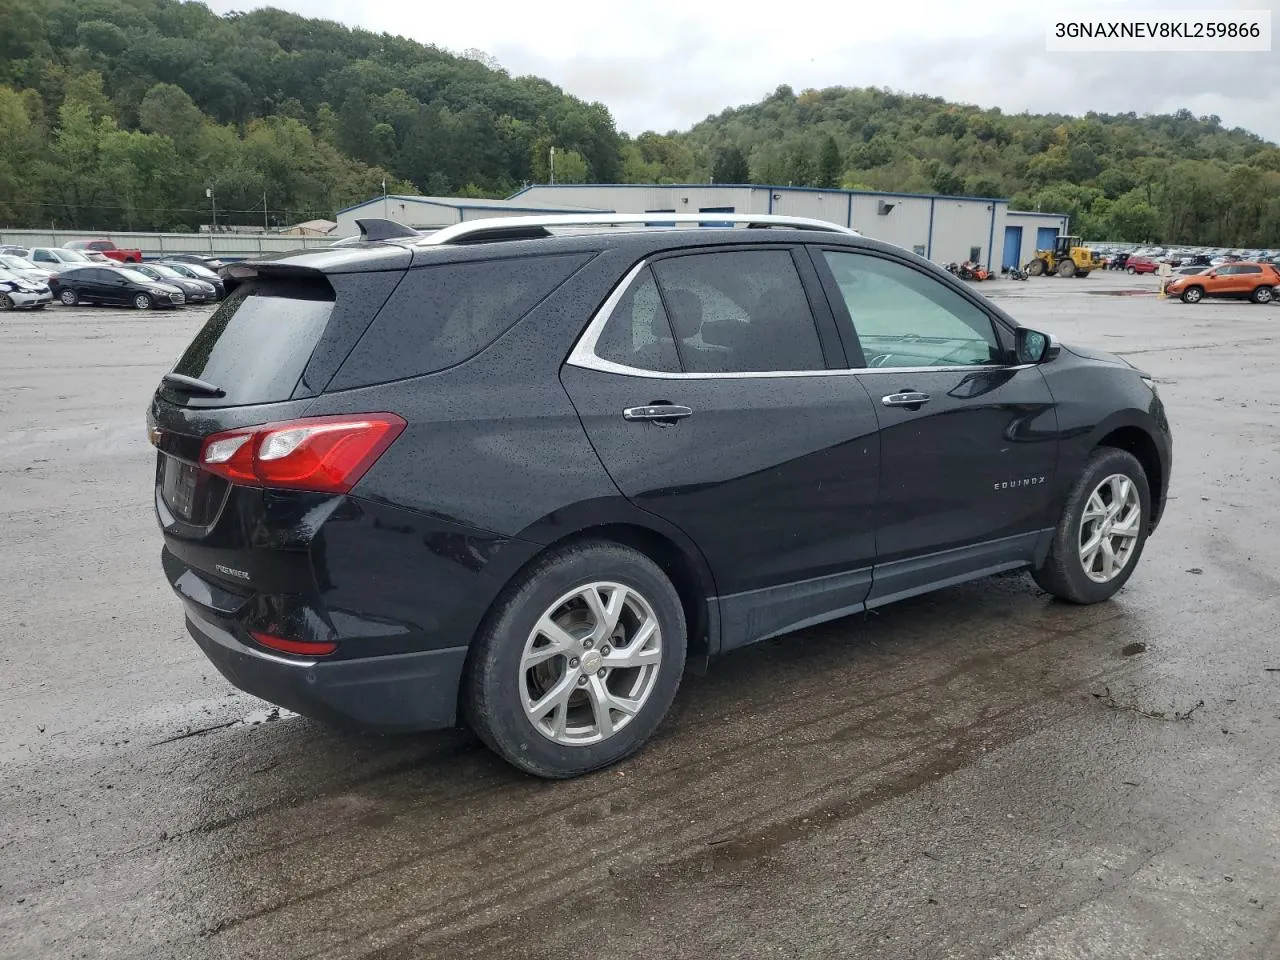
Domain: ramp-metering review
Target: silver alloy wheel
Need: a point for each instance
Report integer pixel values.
(142, 302)
(1193, 295)
(590, 663)
(5, 302)
(1109, 528)
(1262, 295)
(69, 297)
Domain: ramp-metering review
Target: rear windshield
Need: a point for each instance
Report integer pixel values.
(257, 343)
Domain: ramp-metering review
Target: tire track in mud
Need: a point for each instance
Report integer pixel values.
(658, 797)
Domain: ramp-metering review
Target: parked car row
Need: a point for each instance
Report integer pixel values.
(1117, 257)
(73, 277)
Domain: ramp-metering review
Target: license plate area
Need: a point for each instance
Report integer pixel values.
(191, 494)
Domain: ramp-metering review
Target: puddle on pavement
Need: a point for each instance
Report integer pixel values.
(265, 715)
(1133, 649)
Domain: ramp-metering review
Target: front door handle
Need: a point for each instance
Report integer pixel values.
(660, 412)
(908, 399)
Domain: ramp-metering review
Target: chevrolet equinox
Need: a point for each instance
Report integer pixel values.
(523, 471)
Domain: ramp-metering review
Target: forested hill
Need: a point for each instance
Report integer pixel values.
(1175, 178)
(120, 113)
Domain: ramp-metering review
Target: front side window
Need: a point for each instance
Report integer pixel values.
(903, 317)
(739, 312)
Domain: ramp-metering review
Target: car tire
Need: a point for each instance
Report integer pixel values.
(1263, 295)
(6, 302)
(69, 298)
(1130, 270)
(1071, 573)
(568, 739)
(142, 302)
(1192, 295)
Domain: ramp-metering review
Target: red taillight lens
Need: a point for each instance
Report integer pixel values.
(301, 648)
(325, 454)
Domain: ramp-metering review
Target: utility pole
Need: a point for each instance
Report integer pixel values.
(553, 165)
(385, 214)
(264, 211)
(213, 206)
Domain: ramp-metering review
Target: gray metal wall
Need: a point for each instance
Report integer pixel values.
(412, 213)
(959, 225)
(941, 228)
(1030, 223)
(156, 245)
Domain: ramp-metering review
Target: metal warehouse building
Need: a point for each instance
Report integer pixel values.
(940, 228)
(423, 213)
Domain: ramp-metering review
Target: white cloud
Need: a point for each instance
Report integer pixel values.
(665, 64)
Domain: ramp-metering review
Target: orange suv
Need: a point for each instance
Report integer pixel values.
(1244, 281)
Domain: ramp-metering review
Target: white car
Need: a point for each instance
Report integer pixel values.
(54, 258)
(24, 268)
(19, 293)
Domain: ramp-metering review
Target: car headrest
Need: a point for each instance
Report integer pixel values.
(685, 311)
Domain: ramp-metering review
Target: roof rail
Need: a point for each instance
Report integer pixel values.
(493, 229)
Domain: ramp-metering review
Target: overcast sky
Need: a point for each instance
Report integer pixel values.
(666, 64)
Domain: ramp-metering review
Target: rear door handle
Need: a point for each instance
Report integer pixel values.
(908, 399)
(661, 412)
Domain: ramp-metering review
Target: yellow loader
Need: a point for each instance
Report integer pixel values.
(1066, 259)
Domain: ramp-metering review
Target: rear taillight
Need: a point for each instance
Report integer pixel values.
(325, 454)
(300, 648)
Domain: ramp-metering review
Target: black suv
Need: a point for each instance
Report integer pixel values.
(524, 476)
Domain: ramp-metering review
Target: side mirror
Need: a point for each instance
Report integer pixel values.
(1032, 346)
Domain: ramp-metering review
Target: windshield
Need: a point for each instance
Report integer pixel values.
(70, 256)
(15, 263)
(165, 271)
(137, 277)
(193, 270)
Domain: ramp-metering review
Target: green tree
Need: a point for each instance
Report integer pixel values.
(829, 163)
(570, 167)
(168, 110)
(730, 166)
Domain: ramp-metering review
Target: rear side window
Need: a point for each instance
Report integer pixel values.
(739, 312)
(638, 333)
(257, 343)
(444, 314)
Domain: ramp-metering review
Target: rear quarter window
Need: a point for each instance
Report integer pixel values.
(443, 314)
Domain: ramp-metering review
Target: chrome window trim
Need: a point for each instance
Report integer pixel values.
(583, 354)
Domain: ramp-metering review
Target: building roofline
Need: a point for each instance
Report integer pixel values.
(760, 186)
(461, 203)
(1036, 213)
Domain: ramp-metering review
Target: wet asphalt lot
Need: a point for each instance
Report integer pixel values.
(978, 773)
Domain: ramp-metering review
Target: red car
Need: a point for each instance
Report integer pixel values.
(1141, 265)
(107, 248)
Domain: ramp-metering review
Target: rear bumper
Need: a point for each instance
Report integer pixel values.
(402, 692)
